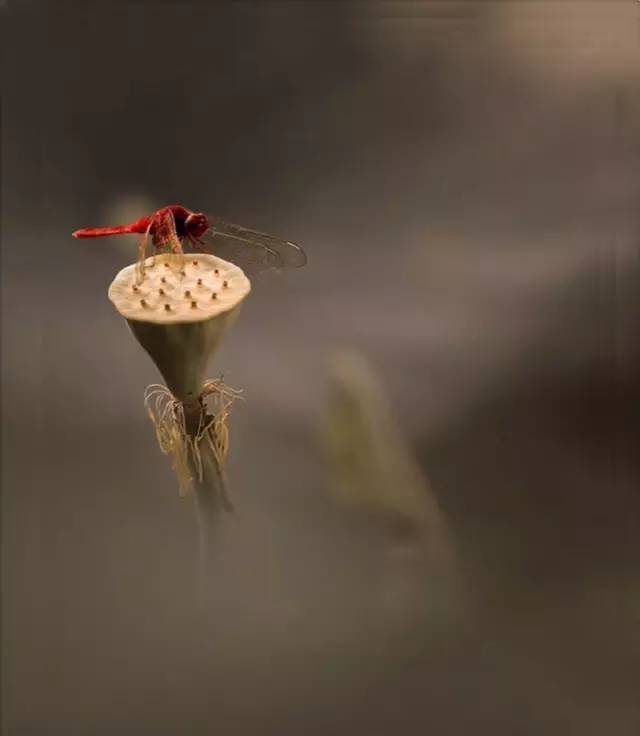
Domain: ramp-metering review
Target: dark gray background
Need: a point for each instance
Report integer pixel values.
(464, 177)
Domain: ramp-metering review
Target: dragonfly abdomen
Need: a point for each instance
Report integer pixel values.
(139, 226)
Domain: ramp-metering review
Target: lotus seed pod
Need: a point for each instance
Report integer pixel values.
(180, 312)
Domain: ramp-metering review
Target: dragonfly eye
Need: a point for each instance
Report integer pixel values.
(197, 223)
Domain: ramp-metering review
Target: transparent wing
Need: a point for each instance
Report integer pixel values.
(164, 231)
(251, 250)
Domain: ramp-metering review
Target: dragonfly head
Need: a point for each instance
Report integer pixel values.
(196, 224)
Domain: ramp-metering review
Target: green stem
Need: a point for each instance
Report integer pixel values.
(210, 498)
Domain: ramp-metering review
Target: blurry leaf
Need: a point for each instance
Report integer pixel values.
(373, 468)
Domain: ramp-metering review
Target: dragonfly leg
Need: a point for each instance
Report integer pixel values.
(142, 250)
(196, 243)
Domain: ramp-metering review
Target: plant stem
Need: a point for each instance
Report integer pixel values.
(209, 495)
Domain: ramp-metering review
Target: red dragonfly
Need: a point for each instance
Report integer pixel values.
(173, 226)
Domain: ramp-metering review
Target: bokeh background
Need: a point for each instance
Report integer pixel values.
(465, 179)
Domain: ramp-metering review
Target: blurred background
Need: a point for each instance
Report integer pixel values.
(465, 179)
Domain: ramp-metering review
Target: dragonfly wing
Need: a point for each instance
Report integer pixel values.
(165, 236)
(162, 229)
(253, 251)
